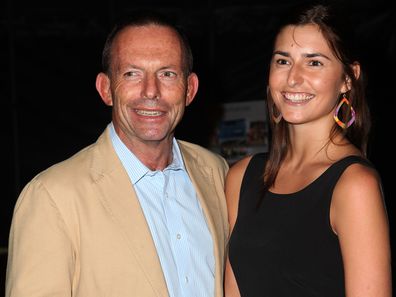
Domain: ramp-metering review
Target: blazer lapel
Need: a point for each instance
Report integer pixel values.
(202, 176)
(119, 198)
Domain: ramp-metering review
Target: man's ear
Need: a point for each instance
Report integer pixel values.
(192, 88)
(103, 88)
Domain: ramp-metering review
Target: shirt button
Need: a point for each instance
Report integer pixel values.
(186, 279)
(178, 236)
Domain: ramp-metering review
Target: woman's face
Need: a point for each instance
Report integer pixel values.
(306, 78)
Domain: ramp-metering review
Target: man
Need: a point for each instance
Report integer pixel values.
(138, 213)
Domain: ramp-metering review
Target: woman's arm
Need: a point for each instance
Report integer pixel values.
(358, 216)
(232, 190)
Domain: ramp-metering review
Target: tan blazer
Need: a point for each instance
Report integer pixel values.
(78, 229)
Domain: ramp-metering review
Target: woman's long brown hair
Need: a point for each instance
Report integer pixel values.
(335, 30)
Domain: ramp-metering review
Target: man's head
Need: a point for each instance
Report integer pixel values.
(147, 80)
(145, 19)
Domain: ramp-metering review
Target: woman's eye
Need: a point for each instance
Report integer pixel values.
(282, 62)
(315, 63)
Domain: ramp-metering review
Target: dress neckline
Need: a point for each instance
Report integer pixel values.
(320, 176)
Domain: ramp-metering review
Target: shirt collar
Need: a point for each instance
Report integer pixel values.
(134, 167)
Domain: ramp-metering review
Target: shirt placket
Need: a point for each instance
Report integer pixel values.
(178, 237)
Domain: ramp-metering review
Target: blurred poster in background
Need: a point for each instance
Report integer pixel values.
(243, 130)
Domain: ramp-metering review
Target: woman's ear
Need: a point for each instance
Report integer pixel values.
(348, 83)
(103, 88)
(356, 69)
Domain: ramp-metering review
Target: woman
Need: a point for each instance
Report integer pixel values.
(308, 219)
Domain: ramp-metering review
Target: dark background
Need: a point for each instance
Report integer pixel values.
(50, 54)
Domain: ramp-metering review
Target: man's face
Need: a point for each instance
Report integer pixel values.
(147, 87)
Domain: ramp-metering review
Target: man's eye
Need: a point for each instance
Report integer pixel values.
(130, 74)
(168, 74)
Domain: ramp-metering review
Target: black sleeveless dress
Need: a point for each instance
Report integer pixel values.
(285, 247)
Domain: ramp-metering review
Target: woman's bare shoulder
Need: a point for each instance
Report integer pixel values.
(233, 187)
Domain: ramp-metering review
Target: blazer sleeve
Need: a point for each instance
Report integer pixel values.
(40, 256)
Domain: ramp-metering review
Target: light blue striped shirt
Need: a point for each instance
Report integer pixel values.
(176, 221)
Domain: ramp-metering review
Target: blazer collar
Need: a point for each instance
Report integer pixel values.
(119, 199)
